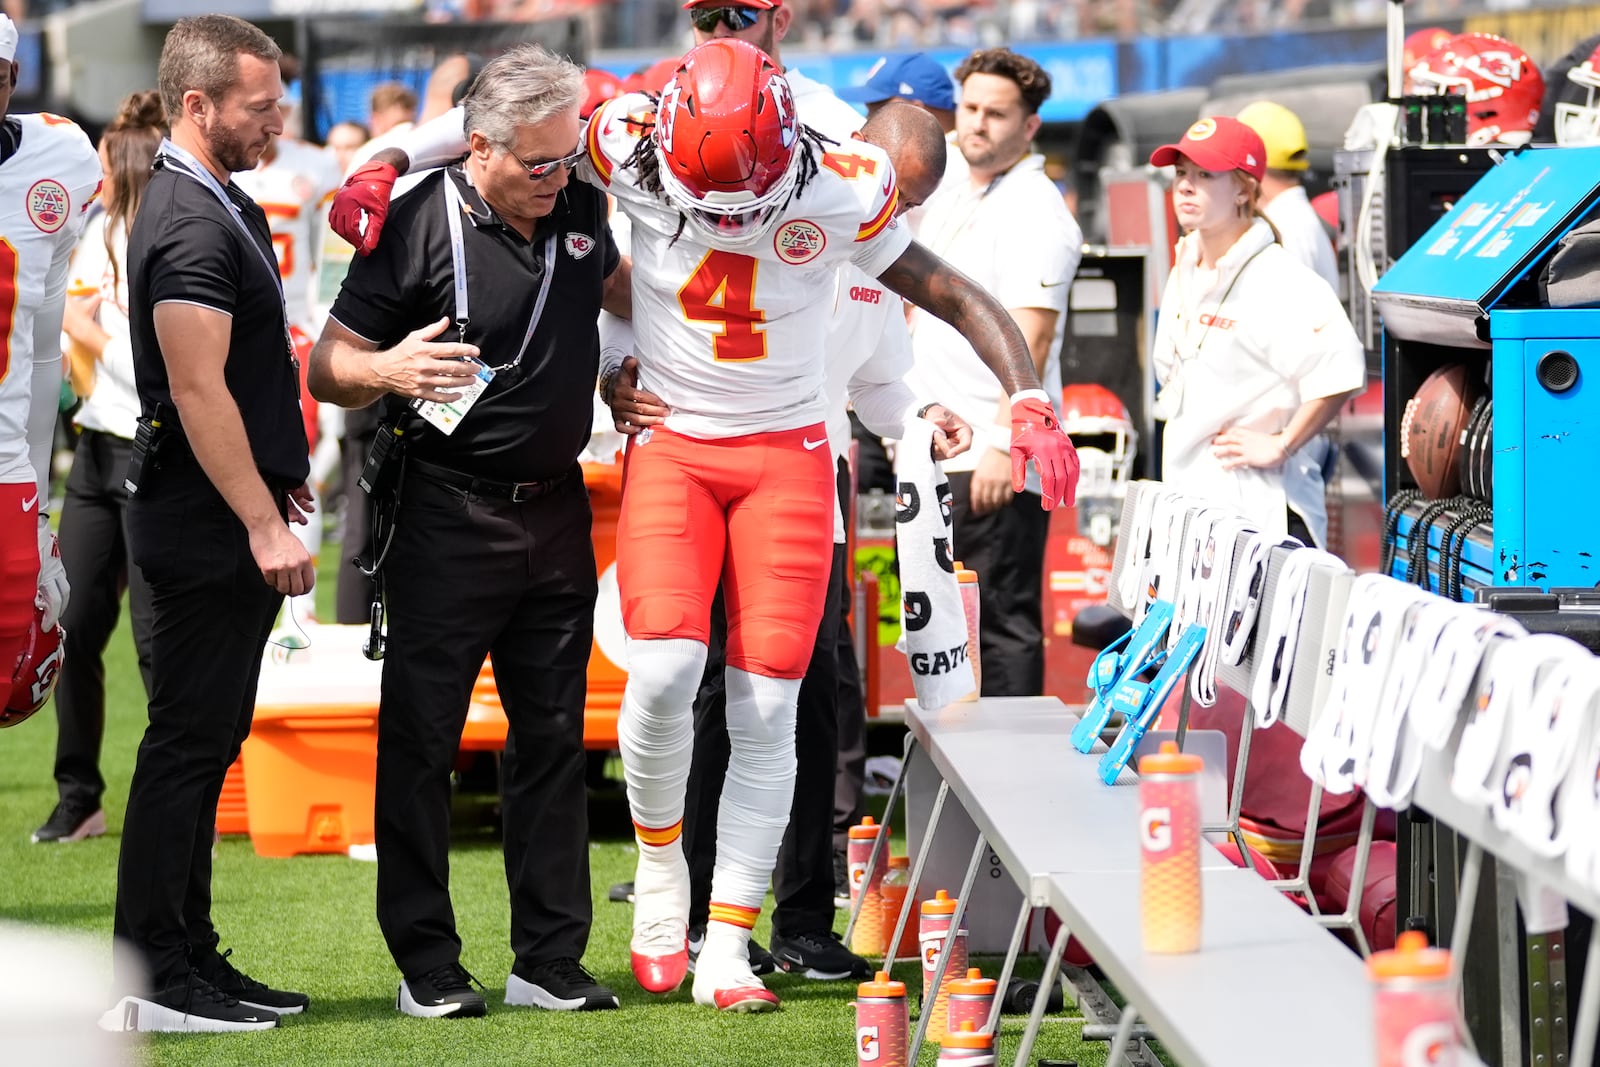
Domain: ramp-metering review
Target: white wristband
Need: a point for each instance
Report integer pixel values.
(1030, 394)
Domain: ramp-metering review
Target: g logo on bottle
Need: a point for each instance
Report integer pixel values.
(868, 1047)
(1429, 1044)
(1155, 829)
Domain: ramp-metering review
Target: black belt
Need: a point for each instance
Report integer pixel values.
(516, 492)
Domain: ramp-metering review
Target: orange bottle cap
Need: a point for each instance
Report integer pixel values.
(1410, 958)
(973, 985)
(866, 829)
(899, 861)
(880, 986)
(1170, 761)
(967, 1037)
(941, 904)
(963, 574)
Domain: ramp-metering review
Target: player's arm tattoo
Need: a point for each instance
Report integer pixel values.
(938, 288)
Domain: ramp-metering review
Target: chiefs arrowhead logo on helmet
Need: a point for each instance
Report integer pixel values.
(918, 610)
(907, 502)
(941, 552)
(946, 502)
(33, 676)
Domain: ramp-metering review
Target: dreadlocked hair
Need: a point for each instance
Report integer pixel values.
(647, 164)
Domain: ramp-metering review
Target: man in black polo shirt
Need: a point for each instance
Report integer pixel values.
(212, 487)
(491, 550)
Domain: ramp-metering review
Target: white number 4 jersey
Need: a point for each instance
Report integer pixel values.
(46, 188)
(732, 340)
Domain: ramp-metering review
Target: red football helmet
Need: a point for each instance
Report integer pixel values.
(726, 137)
(599, 86)
(1503, 86)
(1106, 441)
(1420, 44)
(33, 676)
(1579, 124)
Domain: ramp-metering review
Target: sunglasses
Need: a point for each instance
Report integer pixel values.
(549, 166)
(705, 19)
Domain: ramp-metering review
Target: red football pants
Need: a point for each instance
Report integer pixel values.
(755, 512)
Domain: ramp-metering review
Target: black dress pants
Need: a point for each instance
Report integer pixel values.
(1006, 548)
(94, 551)
(468, 576)
(803, 880)
(212, 612)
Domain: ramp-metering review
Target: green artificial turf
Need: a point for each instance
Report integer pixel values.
(307, 923)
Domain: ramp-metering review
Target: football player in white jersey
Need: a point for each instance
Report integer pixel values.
(49, 175)
(741, 219)
(294, 183)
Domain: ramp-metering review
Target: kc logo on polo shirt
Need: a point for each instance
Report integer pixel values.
(579, 245)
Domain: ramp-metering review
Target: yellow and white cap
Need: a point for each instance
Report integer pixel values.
(1281, 131)
(8, 39)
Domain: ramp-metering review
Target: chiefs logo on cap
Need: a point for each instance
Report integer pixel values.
(1201, 130)
(799, 241)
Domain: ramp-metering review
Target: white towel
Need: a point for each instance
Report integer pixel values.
(933, 626)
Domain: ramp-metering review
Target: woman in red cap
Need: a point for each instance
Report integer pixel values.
(1253, 352)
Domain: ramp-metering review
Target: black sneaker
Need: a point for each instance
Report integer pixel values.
(445, 990)
(73, 820)
(188, 1004)
(234, 982)
(559, 985)
(841, 880)
(620, 893)
(821, 956)
(761, 961)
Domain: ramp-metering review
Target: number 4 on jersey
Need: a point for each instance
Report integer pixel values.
(722, 290)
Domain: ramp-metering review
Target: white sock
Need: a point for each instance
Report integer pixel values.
(759, 790)
(655, 733)
(724, 962)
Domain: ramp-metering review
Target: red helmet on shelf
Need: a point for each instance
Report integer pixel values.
(1423, 43)
(727, 138)
(1104, 436)
(33, 675)
(1502, 84)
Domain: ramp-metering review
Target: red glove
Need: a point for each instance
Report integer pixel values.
(1036, 434)
(358, 211)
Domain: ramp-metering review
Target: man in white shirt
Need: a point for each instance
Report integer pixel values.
(1283, 196)
(1007, 227)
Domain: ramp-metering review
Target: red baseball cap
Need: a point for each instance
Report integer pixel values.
(1218, 144)
(761, 5)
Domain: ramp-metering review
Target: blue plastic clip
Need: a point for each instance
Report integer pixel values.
(1143, 651)
(1154, 696)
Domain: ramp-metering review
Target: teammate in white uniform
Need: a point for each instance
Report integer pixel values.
(1283, 196)
(1253, 354)
(294, 183)
(49, 175)
(741, 219)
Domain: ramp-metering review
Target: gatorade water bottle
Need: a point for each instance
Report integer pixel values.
(882, 1027)
(1169, 839)
(966, 1047)
(970, 1000)
(866, 939)
(937, 916)
(968, 580)
(1414, 1005)
(896, 880)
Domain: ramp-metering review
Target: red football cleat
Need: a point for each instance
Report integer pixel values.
(746, 998)
(660, 974)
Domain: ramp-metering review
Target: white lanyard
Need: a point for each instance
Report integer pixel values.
(455, 207)
(185, 162)
(1275, 659)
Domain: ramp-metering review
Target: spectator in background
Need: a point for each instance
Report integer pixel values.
(1006, 227)
(917, 78)
(94, 521)
(1283, 194)
(344, 140)
(1241, 400)
(390, 105)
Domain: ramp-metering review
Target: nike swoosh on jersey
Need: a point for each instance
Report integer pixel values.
(812, 446)
(1051, 285)
(27, 505)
